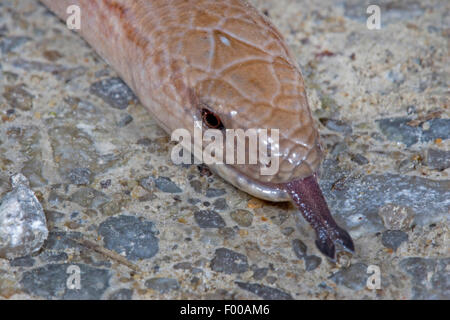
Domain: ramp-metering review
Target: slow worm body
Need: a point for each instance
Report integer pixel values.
(197, 60)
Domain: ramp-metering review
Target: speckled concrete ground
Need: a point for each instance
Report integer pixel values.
(140, 227)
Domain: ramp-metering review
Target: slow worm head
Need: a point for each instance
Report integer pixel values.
(220, 62)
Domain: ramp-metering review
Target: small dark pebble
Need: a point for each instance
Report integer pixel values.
(229, 261)
(183, 266)
(125, 120)
(121, 294)
(359, 159)
(163, 285)
(26, 261)
(299, 248)
(166, 185)
(9, 44)
(353, 277)
(337, 125)
(144, 141)
(287, 231)
(114, 92)
(196, 185)
(312, 262)
(393, 239)
(209, 219)
(80, 176)
(105, 183)
(220, 204)
(260, 273)
(438, 159)
(213, 193)
(264, 292)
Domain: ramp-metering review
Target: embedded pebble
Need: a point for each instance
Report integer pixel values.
(213, 193)
(50, 281)
(220, 204)
(393, 239)
(80, 176)
(438, 159)
(125, 120)
(396, 217)
(166, 185)
(23, 226)
(18, 97)
(114, 92)
(260, 273)
(353, 277)
(121, 294)
(312, 262)
(242, 217)
(131, 236)
(397, 129)
(429, 199)
(229, 261)
(299, 248)
(264, 292)
(209, 219)
(9, 44)
(163, 285)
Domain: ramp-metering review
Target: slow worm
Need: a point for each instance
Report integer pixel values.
(220, 62)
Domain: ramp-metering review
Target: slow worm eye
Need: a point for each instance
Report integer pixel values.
(211, 120)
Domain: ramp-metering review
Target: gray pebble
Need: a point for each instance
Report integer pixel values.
(163, 285)
(353, 277)
(242, 217)
(121, 294)
(397, 129)
(260, 273)
(220, 204)
(337, 125)
(125, 120)
(264, 292)
(438, 159)
(229, 261)
(114, 92)
(359, 159)
(196, 185)
(166, 185)
(26, 261)
(299, 248)
(396, 217)
(80, 176)
(129, 235)
(312, 262)
(18, 97)
(209, 219)
(393, 239)
(50, 281)
(89, 197)
(9, 44)
(213, 193)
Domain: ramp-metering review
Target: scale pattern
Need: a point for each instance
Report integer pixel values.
(181, 55)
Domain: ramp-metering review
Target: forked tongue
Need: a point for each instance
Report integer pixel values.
(309, 199)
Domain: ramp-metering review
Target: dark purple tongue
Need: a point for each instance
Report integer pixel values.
(308, 197)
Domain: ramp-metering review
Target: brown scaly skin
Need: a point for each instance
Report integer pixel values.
(179, 56)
